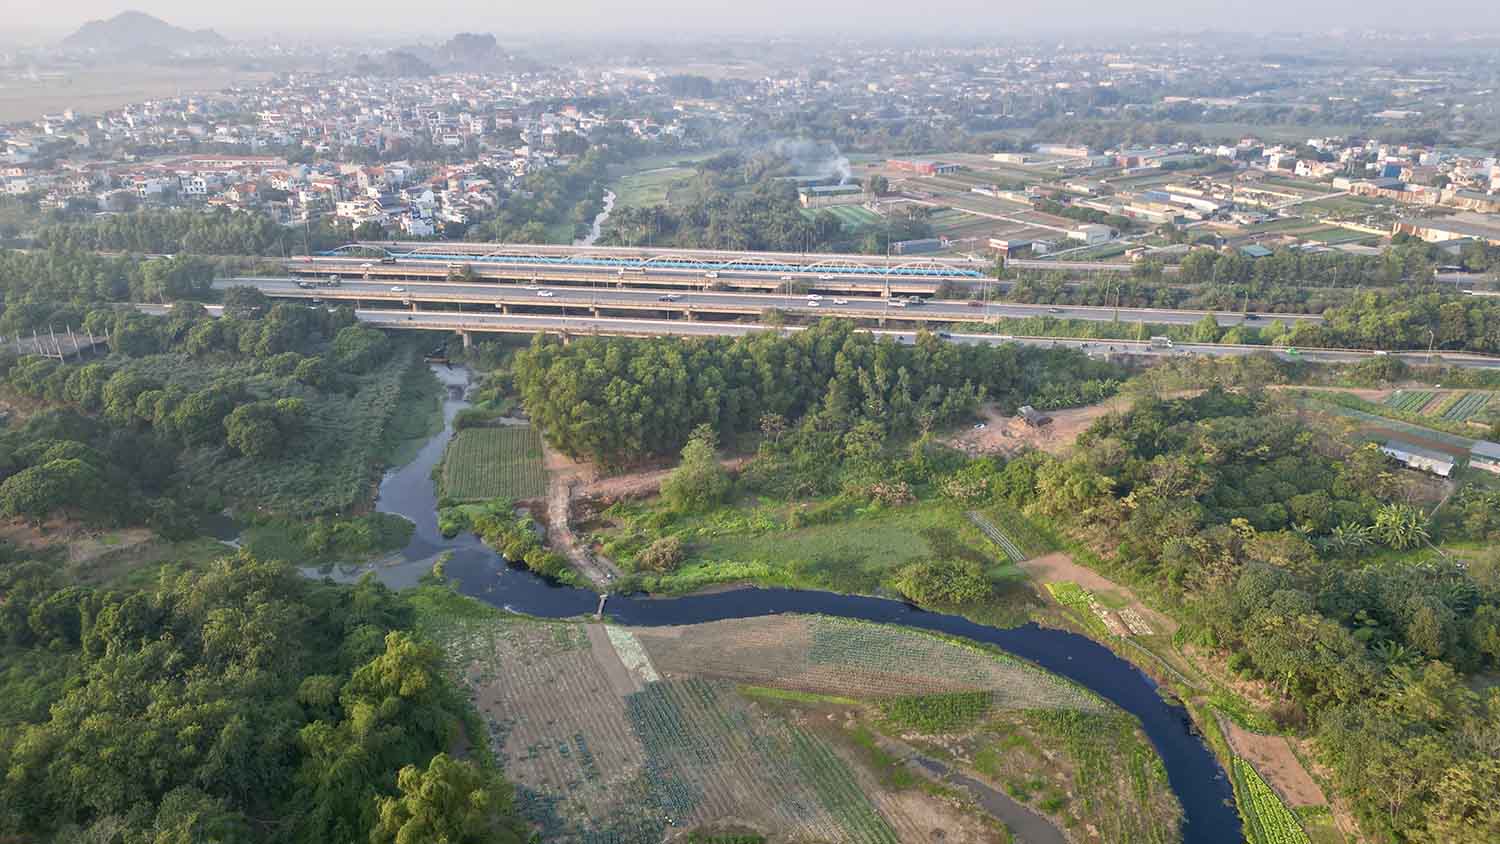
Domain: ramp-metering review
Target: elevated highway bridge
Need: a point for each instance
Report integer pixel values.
(604, 302)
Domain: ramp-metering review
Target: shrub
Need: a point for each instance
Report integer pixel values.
(661, 556)
(943, 582)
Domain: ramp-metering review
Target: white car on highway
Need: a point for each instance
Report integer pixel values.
(398, 289)
(841, 301)
(811, 303)
(813, 297)
(545, 293)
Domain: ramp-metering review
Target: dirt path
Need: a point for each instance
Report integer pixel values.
(568, 480)
(1272, 756)
(564, 476)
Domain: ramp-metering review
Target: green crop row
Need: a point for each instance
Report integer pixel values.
(1410, 401)
(486, 463)
(1472, 404)
(1269, 820)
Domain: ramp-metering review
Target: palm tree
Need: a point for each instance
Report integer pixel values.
(1401, 526)
(1349, 537)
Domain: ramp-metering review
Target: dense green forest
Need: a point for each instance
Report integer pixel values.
(619, 400)
(1407, 321)
(283, 408)
(1267, 534)
(239, 703)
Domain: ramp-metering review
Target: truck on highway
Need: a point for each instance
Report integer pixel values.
(1161, 342)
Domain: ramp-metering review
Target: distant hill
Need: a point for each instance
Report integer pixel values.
(394, 63)
(138, 30)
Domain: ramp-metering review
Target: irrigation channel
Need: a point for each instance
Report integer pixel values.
(1194, 774)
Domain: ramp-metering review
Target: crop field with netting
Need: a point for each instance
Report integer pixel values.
(485, 463)
(601, 753)
(855, 660)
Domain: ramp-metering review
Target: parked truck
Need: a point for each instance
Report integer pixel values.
(1161, 342)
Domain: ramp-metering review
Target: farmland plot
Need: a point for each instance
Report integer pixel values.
(485, 463)
(712, 756)
(853, 659)
(597, 759)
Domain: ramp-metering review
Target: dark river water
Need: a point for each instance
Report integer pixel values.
(1195, 775)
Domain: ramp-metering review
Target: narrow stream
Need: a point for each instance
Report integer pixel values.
(597, 228)
(1193, 772)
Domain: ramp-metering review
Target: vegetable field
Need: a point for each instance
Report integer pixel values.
(1468, 405)
(601, 752)
(1456, 405)
(485, 463)
(855, 660)
(1269, 821)
(710, 756)
(1094, 772)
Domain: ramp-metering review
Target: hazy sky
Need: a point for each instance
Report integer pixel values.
(960, 18)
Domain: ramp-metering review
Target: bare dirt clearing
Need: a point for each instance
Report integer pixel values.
(1060, 568)
(1006, 435)
(1273, 758)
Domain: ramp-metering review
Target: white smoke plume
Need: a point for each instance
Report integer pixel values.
(818, 159)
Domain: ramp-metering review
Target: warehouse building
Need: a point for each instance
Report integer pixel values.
(922, 166)
(825, 195)
(1417, 457)
(1484, 227)
(1485, 455)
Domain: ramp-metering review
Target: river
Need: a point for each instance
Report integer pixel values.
(1193, 772)
(598, 226)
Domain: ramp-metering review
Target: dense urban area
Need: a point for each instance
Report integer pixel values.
(749, 440)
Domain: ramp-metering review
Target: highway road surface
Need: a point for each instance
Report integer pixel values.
(530, 324)
(561, 298)
(451, 321)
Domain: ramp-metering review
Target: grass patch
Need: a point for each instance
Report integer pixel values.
(939, 713)
(139, 566)
(794, 696)
(486, 463)
(417, 417)
(847, 549)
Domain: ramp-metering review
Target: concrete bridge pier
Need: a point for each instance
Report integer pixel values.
(468, 338)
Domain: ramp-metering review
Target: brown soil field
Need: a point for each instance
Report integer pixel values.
(96, 90)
